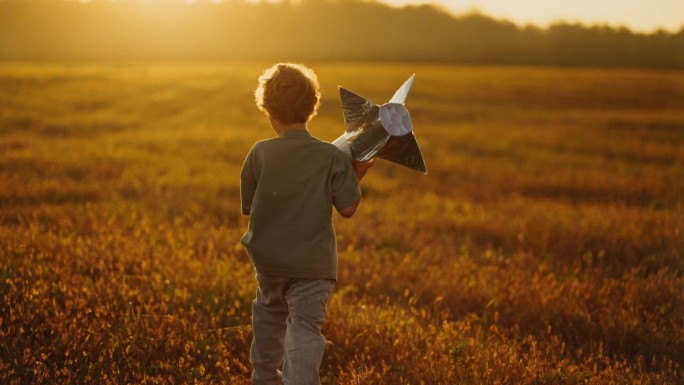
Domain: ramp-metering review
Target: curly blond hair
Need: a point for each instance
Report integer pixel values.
(288, 93)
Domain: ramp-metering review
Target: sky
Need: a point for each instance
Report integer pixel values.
(638, 15)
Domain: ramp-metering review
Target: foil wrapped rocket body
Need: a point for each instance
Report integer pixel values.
(384, 131)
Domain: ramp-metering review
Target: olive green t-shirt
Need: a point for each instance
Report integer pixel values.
(288, 187)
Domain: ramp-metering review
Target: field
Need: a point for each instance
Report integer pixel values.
(544, 246)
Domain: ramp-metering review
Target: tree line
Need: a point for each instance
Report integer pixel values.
(348, 30)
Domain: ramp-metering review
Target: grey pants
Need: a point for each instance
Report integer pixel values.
(287, 315)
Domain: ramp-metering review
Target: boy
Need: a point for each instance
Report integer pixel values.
(289, 186)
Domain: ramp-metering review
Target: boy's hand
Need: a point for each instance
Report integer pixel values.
(360, 168)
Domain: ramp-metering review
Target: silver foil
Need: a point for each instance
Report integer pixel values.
(367, 137)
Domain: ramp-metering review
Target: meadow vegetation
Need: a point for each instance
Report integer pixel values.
(544, 246)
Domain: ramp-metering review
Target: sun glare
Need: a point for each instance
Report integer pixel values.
(634, 14)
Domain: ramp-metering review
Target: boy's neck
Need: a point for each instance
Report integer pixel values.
(279, 127)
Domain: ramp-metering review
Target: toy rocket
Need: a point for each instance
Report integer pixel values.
(384, 131)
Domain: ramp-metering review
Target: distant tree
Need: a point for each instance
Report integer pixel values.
(312, 29)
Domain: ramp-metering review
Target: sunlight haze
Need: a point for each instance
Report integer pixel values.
(639, 15)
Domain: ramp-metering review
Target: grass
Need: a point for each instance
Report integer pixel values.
(543, 247)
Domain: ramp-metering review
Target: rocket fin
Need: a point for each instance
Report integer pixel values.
(357, 110)
(404, 150)
(403, 91)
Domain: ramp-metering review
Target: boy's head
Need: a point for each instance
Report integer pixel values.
(288, 93)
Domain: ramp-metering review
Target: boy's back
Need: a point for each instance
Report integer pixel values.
(289, 186)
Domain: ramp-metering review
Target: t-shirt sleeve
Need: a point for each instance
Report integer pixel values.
(248, 183)
(345, 185)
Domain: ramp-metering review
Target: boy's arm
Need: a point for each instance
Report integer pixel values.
(349, 211)
(360, 169)
(247, 185)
